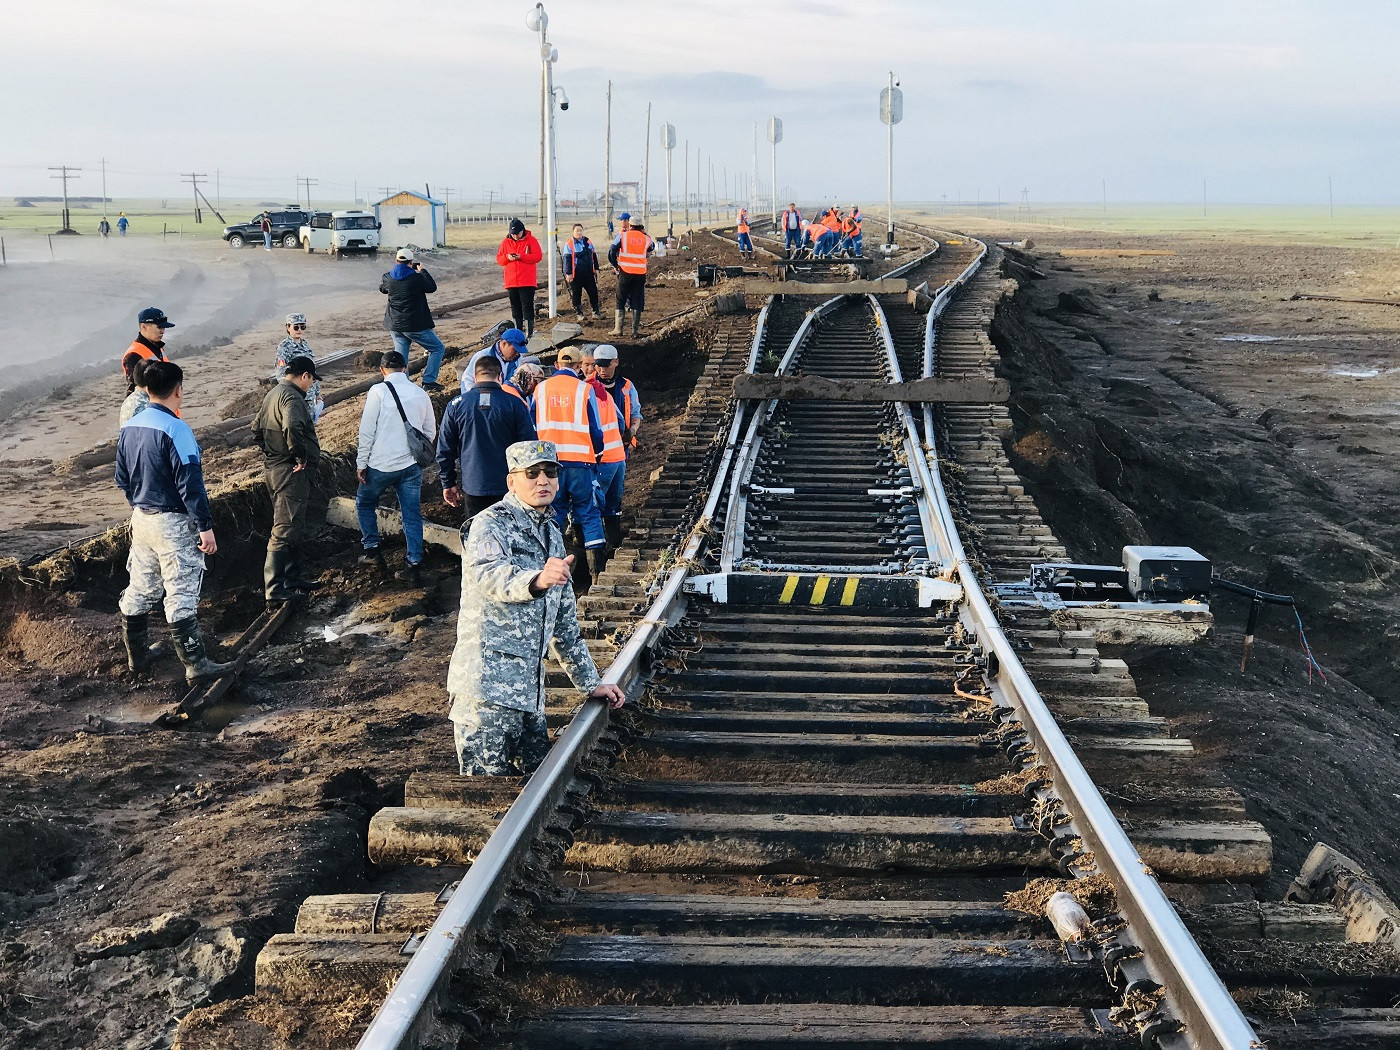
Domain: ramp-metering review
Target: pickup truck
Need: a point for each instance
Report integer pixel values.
(339, 232)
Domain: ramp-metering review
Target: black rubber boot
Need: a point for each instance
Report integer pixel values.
(136, 636)
(636, 323)
(612, 530)
(597, 562)
(276, 588)
(294, 578)
(576, 534)
(189, 644)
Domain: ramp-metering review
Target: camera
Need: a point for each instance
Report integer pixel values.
(562, 97)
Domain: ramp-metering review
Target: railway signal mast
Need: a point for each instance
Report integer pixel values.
(775, 135)
(538, 22)
(891, 113)
(668, 143)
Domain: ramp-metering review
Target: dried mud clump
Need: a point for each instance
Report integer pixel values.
(1095, 894)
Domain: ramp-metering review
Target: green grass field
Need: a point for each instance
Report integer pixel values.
(1354, 227)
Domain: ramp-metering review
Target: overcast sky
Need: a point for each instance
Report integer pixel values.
(1262, 100)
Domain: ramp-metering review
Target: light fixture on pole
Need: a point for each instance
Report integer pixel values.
(775, 135)
(891, 113)
(538, 22)
(668, 143)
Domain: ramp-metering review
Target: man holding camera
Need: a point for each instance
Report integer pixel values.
(407, 316)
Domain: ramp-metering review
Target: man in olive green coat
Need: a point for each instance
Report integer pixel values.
(284, 431)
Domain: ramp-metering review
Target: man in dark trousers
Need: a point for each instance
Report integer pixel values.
(284, 431)
(477, 428)
(407, 316)
(581, 270)
(172, 529)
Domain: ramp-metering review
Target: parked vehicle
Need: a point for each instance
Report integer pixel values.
(339, 232)
(286, 226)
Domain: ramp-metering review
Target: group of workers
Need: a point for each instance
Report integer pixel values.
(519, 256)
(523, 451)
(832, 234)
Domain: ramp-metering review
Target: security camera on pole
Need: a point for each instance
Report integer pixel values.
(538, 22)
(891, 113)
(668, 143)
(775, 135)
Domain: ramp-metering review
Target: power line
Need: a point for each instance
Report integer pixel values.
(308, 183)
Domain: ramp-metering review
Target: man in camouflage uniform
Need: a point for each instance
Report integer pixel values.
(160, 471)
(287, 436)
(517, 605)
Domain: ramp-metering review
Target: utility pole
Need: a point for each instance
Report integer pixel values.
(685, 183)
(891, 112)
(753, 182)
(308, 183)
(646, 167)
(538, 21)
(1203, 198)
(668, 143)
(354, 193)
(104, 187)
(1330, 213)
(607, 165)
(490, 200)
(194, 180)
(544, 117)
(385, 191)
(63, 173)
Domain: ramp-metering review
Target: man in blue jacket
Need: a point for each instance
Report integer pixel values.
(172, 529)
(477, 428)
(581, 270)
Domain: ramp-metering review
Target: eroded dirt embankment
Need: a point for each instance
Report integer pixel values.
(1141, 417)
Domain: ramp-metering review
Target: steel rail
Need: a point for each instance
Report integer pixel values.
(406, 1013)
(1194, 992)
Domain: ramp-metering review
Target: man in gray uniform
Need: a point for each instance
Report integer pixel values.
(517, 605)
(287, 436)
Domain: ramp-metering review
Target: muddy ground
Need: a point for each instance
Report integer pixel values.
(141, 869)
(1187, 399)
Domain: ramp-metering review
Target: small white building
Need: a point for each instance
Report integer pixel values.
(411, 218)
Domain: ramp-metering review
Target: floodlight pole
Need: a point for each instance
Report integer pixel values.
(538, 20)
(889, 173)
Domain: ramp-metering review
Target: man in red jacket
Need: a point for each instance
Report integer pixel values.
(519, 256)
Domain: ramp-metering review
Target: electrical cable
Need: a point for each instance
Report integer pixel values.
(1259, 598)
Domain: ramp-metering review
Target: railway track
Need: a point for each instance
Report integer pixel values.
(855, 807)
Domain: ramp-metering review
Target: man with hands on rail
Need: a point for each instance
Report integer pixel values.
(517, 605)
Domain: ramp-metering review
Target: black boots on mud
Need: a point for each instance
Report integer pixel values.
(612, 531)
(189, 644)
(136, 636)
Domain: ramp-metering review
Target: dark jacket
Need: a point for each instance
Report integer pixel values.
(581, 258)
(407, 310)
(476, 429)
(283, 427)
(158, 465)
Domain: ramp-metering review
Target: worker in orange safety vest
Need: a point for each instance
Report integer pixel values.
(742, 228)
(566, 413)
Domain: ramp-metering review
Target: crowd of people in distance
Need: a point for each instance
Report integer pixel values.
(833, 234)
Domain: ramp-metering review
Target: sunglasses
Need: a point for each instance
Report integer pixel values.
(549, 470)
(298, 328)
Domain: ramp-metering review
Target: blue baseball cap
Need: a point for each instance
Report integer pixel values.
(154, 315)
(514, 336)
(625, 215)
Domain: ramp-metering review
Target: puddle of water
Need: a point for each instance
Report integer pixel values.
(342, 627)
(1248, 338)
(1356, 373)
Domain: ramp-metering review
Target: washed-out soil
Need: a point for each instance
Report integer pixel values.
(141, 869)
(1188, 399)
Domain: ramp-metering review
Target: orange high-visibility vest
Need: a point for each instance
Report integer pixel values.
(510, 389)
(139, 348)
(632, 251)
(743, 220)
(561, 416)
(613, 452)
(848, 227)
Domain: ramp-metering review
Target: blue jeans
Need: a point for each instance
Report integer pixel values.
(855, 244)
(826, 244)
(610, 480)
(408, 486)
(579, 498)
(429, 341)
(267, 239)
(745, 245)
(792, 240)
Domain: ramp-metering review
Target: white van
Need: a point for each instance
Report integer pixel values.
(339, 232)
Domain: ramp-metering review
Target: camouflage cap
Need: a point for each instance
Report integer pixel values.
(524, 454)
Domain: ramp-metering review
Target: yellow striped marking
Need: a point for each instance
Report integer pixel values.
(789, 589)
(848, 593)
(819, 589)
